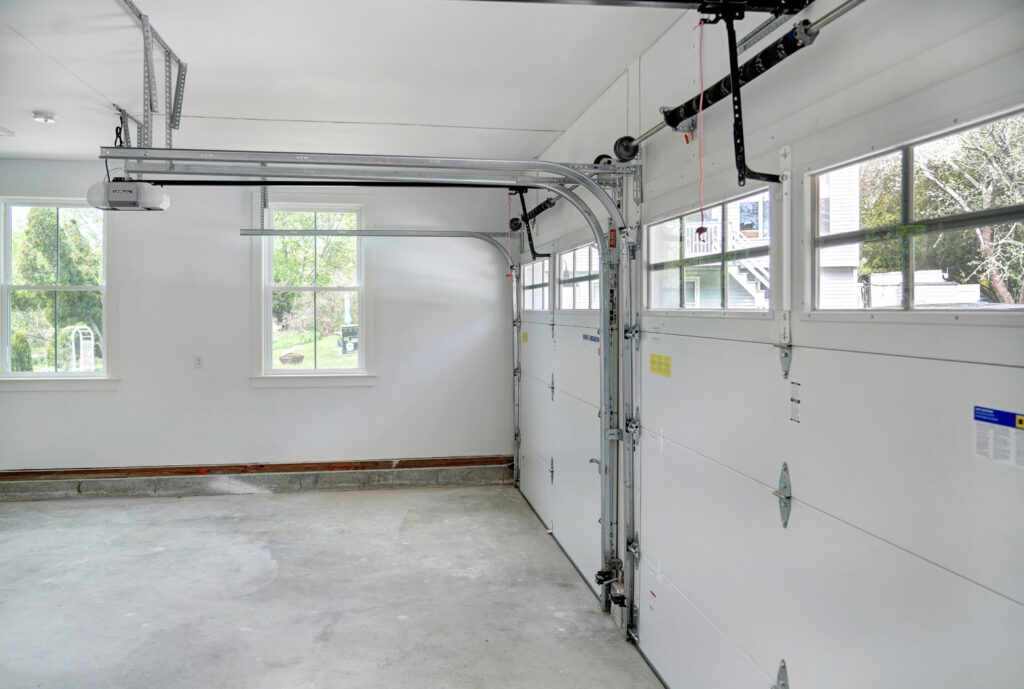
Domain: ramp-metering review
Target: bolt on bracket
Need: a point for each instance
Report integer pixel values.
(784, 494)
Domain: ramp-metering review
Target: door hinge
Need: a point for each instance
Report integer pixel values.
(785, 359)
(784, 494)
(782, 679)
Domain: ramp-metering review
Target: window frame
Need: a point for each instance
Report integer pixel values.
(724, 257)
(590, 277)
(264, 374)
(35, 379)
(544, 287)
(906, 231)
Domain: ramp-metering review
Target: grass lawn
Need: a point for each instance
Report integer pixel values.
(328, 353)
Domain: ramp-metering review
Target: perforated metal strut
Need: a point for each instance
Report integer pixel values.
(789, 44)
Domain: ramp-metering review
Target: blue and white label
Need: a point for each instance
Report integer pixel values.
(999, 435)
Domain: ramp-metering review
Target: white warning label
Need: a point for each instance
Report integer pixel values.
(999, 436)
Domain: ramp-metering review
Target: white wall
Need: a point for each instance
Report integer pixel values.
(903, 562)
(180, 285)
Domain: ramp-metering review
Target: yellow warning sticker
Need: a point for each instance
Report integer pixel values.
(526, 336)
(661, 365)
(1020, 420)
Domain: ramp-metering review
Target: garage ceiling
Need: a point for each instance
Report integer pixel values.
(420, 77)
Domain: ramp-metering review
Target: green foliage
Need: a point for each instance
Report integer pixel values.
(58, 247)
(975, 170)
(21, 353)
(311, 261)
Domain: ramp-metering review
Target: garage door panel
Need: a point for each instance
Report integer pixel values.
(683, 645)
(536, 353)
(883, 444)
(844, 608)
(723, 399)
(577, 363)
(577, 440)
(536, 418)
(535, 484)
(578, 530)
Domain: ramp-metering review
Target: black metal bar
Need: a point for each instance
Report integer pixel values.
(742, 170)
(529, 232)
(789, 44)
(515, 224)
(309, 183)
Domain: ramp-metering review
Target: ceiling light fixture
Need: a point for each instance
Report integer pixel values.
(44, 116)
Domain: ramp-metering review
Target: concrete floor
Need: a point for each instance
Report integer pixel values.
(431, 587)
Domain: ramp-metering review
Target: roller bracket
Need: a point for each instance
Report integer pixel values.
(604, 577)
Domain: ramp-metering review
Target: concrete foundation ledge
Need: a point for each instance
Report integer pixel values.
(242, 484)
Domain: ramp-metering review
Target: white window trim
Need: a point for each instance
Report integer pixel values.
(263, 375)
(775, 247)
(54, 381)
(556, 303)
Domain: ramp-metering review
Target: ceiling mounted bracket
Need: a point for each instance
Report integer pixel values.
(785, 495)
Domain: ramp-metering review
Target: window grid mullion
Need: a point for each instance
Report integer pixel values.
(906, 217)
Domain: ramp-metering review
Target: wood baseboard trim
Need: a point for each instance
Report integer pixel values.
(293, 467)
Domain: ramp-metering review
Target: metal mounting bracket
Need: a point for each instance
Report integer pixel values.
(785, 359)
(614, 434)
(785, 495)
(552, 470)
(633, 423)
(552, 387)
(611, 256)
(782, 679)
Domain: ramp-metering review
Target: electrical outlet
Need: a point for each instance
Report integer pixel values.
(197, 361)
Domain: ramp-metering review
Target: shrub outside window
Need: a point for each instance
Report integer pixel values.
(715, 259)
(934, 225)
(53, 291)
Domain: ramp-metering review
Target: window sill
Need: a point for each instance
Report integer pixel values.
(342, 380)
(54, 384)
